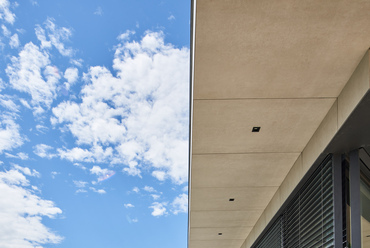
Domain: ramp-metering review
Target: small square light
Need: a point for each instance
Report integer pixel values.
(219, 234)
(232, 199)
(256, 129)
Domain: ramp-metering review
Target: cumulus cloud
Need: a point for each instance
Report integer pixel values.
(43, 151)
(149, 189)
(22, 212)
(71, 75)
(5, 13)
(102, 174)
(141, 111)
(159, 209)
(9, 134)
(129, 205)
(99, 191)
(136, 190)
(180, 204)
(31, 72)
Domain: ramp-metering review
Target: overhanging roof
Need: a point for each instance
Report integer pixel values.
(279, 65)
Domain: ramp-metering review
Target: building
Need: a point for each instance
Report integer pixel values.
(280, 124)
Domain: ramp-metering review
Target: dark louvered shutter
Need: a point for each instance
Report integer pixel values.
(272, 238)
(308, 220)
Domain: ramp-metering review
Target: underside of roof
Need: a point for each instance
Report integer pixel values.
(277, 65)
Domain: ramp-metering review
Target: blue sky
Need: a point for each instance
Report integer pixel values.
(94, 102)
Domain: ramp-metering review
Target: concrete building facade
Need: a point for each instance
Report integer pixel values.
(280, 94)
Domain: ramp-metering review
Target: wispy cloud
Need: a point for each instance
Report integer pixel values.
(44, 151)
(10, 136)
(14, 41)
(98, 11)
(171, 17)
(5, 13)
(180, 204)
(99, 191)
(80, 184)
(53, 36)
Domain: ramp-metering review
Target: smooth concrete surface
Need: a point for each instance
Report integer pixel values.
(277, 49)
(241, 170)
(225, 126)
(354, 90)
(283, 66)
(324, 133)
(219, 198)
(213, 233)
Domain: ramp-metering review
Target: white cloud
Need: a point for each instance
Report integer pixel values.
(32, 73)
(54, 174)
(14, 41)
(22, 212)
(8, 103)
(43, 151)
(81, 191)
(9, 134)
(136, 190)
(26, 171)
(80, 166)
(5, 13)
(54, 36)
(159, 209)
(171, 17)
(6, 31)
(41, 128)
(80, 184)
(129, 205)
(180, 204)
(99, 191)
(102, 174)
(155, 196)
(141, 111)
(71, 74)
(149, 189)
(98, 11)
(22, 155)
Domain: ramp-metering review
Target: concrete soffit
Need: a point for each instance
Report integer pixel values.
(284, 67)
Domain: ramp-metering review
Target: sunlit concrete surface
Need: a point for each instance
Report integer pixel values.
(288, 67)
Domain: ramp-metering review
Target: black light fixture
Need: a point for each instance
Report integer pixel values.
(256, 129)
(232, 199)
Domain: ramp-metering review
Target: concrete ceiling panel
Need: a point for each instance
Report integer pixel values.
(280, 49)
(225, 126)
(219, 198)
(241, 170)
(225, 243)
(224, 218)
(213, 233)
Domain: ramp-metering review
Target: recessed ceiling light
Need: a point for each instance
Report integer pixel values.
(219, 234)
(232, 199)
(256, 129)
